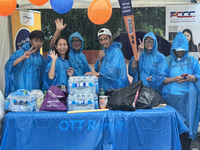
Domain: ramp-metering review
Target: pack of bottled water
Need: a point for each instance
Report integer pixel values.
(82, 102)
(83, 85)
(20, 101)
(82, 93)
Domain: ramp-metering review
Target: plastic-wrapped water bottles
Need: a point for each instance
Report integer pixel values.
(82, 93)
(20, 101)
(80, 102)
(82, 85)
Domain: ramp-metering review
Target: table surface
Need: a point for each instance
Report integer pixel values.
(145, 129)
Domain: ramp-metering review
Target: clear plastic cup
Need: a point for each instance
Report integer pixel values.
(103, 102)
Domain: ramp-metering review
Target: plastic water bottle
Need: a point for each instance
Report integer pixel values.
(90, 101)
(92, 85)
(69, 98)
(83, 88)
(96, 84)
(70, 81)
(71, 102)
(96, 103)
(87, 86)
(74, 85)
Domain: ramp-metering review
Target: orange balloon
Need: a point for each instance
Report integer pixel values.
(7, 7)
(38, 2)
(99, 11)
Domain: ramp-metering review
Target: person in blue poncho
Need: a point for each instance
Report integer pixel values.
(111, 66)
(149, 58)
(25, 68)
(77, 59)
(59, 69)
(180, 75)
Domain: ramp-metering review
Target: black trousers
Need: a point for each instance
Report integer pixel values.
(185, 141)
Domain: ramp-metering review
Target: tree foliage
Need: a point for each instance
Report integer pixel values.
(147, 19)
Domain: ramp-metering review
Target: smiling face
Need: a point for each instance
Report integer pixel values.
(188, 36)
(148, 43)
(105, 41)
(36, 43)
(62, 47)
(76, 44)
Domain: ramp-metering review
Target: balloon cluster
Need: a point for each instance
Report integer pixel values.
(99, 11)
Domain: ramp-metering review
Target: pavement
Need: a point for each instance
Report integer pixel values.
(195, 144)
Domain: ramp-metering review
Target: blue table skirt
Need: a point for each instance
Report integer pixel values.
(149, 129)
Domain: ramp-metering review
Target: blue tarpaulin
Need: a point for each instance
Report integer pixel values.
(117, 130)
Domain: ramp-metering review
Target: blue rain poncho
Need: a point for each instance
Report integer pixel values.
(61, 76)
(27, 74)
(182, 96)
(147, 62)
(78, 60)
(113, 68)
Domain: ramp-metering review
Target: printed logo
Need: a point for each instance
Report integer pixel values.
(183, 17)
(89, 125)
(183, 14)
(32, 67)
(26, 18)
(155, 64)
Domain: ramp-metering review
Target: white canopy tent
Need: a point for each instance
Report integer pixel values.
(25, 4)
(6, 48)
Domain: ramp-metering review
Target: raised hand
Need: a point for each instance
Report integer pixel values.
(59, 24)
(28, 53)
(53, 55)
(101, 55)
(141, 46)
(70, 72)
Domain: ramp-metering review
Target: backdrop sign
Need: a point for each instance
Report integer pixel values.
(184, 17)
(127, 13)
(23, 23)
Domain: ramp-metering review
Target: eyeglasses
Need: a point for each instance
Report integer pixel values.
(148, 40)
(76, 41)
(40, 41)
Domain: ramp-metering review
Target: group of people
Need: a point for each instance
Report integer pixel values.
(28, 69)
(175, 77)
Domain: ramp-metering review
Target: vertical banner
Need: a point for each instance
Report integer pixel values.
(184, 18)
(23, 23)
(126, 8)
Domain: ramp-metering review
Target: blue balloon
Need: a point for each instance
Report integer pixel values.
(61, 6)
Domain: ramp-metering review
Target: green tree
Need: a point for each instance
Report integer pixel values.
(146, 19)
